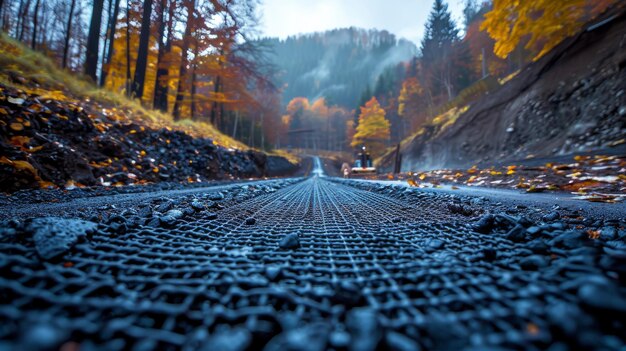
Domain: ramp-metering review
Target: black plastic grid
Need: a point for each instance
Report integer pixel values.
(405, 269)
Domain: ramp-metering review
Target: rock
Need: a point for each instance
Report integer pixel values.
(364, 328)
(250, 221)
(485, 224)
(608, 233)
(434, 245)
(400, 342)
(489, 254)
(290, 242)
(118, 228)
(339, 339)
(517, 234)
(551, 217)
(570, 239)
(154, 222)
(273, 273)
(309, 337)
(210, 215)
(235, 339)
(145, 212)
(197, 205)
(216, 196)
(54, 236)
(167, 221)
(533, 263)
(164, 207)
(557, 226)
(460, 209)
(533, 230)
(537, 246)
(176, 214)
(604, 298)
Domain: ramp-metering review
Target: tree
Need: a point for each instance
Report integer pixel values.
(68, 33)
(191, 5)
(111, 36)
(142, 55)
(436, 46)
(546, 22)
(410, 104)
(160, 88)
(93, 41)
(373, 129)
(33, 42)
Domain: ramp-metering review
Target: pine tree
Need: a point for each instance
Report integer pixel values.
(436, 46)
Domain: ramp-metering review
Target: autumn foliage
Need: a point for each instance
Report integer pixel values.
(373, 129)
(544, 22)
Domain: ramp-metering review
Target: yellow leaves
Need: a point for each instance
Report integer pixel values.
(16, 126)
(20, 165)
(544, 22)
(510, 170)
(412, 182)
(373, 128)
(155, 169)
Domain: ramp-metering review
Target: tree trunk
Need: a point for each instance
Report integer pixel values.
(112, 26)
(184, 59)
(2, 12)
(127, 47)
(214, 106)
(194, 67)
(142, 54)
(33, 41)
(68, 33)
(23, 18)
(160, 89)
(93, 40)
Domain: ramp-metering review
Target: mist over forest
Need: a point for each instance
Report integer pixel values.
(335, 65)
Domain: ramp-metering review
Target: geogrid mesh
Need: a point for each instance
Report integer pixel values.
(203, 281)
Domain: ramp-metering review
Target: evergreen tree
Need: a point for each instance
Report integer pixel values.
(436, 46)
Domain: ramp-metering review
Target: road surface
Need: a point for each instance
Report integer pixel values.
(311, 264)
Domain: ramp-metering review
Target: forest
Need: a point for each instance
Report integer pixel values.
(205, 60)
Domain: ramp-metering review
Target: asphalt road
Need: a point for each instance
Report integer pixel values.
(311, 264)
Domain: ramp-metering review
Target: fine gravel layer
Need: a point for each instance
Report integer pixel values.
(311, 264)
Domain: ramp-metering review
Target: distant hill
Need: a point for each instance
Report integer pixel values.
(337, 65)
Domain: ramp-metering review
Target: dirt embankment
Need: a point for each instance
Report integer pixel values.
(50, 143)
(571, 100)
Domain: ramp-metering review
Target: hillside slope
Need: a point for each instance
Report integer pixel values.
(59, 131)
(573, 99)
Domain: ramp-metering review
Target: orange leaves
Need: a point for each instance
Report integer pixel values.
(412, 182)
(19, 165)
(16, 126)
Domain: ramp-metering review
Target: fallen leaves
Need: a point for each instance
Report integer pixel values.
(16, 126)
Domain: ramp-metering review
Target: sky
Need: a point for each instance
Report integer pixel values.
(404, 18)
